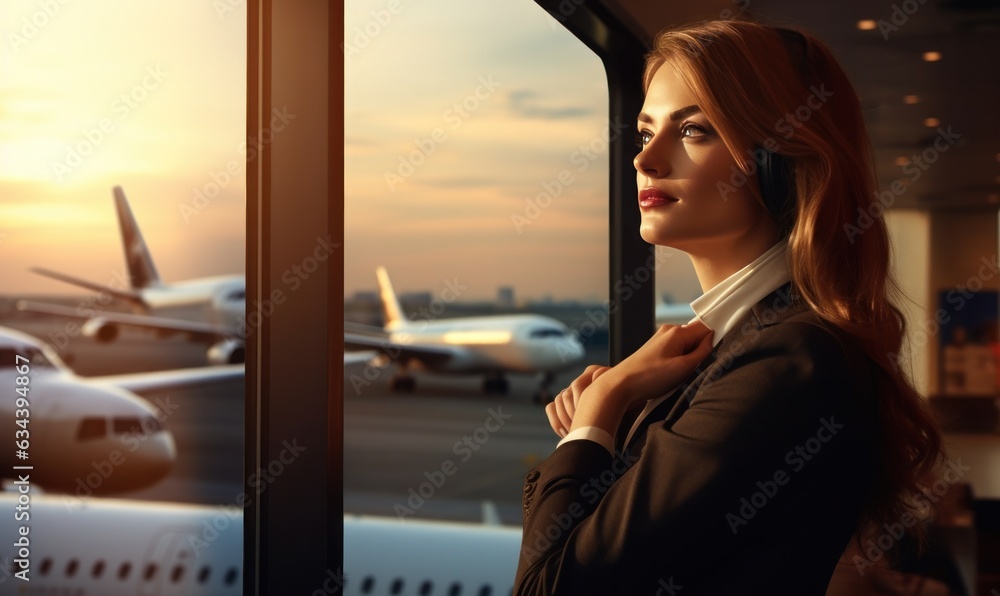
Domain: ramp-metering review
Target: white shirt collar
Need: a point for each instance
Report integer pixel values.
(723, 305)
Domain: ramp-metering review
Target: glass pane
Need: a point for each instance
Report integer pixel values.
(476, 174)
(148, 98)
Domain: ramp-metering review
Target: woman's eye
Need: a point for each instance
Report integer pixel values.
(642, 138)
(693, 130)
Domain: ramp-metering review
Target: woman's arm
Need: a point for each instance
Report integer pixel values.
(601, 395)
(598, 525)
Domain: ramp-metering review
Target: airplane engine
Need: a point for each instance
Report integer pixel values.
(100, 330)
(227, 351)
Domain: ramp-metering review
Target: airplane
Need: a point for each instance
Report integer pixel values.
(192, 550)
(86, 435)
(490, 345)
(210, 310)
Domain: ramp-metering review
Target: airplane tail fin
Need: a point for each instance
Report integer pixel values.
(391, 310)
(141, 270)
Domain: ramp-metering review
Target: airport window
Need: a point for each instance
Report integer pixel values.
(426, 588)
(157, 108)
(480, 182)
(231, 576)
(177, 574)
(92, 428)
(44, 568)
(367, 585)
(71, 567)
(204, 574)
(150, 572)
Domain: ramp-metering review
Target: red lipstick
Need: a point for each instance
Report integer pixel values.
(652, 197)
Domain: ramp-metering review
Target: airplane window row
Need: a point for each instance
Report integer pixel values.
(149, 573)
(426, 588)
(36, 359)
(93, 427)
(551, 332)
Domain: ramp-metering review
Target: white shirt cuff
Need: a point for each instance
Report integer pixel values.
(591, 433)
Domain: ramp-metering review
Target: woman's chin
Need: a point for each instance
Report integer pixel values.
(653, 236)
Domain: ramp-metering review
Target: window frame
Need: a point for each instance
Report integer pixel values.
(294, 55)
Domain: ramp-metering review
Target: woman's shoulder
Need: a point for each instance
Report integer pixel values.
(795, 348)
(784, 322)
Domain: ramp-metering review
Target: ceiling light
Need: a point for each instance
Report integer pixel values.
(911, 99)
(932, 56)
(902, 161)
(866, 25)
(931, 122)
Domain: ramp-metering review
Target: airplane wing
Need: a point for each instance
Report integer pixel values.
(195, 330)
(171, 379)
(359, 357)
(432, 356)
(127, 295)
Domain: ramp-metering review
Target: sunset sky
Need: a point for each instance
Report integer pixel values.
(458, 117)
(516, 102)
(147, 95)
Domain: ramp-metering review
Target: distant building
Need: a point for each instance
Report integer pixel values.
(364, 297)
(416, 298)
(505, 297)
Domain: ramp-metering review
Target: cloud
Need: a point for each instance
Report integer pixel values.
(466, 182)
(525, 103)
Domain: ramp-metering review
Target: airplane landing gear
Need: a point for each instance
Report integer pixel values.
(495, 384)
(544, 395)
(403, 384)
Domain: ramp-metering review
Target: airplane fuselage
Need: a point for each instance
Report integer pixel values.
(516, 343)
(69, 435)
(219, 300)
(112, 547)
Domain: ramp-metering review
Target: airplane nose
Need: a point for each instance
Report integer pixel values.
(573, 350)
(152, 460)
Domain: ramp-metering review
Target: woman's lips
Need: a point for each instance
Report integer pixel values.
(652, 197)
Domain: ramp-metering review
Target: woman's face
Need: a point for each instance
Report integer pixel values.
(685, 174)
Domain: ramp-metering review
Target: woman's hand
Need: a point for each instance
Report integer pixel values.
(665, 360)
(562, 408)
(600, 396)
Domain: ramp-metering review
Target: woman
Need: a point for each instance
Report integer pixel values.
(741, 452)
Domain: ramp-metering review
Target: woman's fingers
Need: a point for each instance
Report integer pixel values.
(554, 422)
(565, 419)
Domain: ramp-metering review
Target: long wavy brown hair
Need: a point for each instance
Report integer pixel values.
(781, 88)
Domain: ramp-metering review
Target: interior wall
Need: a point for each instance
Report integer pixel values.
(910, 235)
(964, 242)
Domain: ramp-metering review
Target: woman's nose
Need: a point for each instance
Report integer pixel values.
(652, 161)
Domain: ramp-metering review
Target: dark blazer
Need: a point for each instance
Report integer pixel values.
(749, 478)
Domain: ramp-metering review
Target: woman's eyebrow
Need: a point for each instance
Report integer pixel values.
(674, 116)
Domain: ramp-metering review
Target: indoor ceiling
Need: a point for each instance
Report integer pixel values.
(887, 65)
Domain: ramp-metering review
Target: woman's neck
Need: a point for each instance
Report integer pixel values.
(716, 261)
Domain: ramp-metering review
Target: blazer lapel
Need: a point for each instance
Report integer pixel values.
(771, 310)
